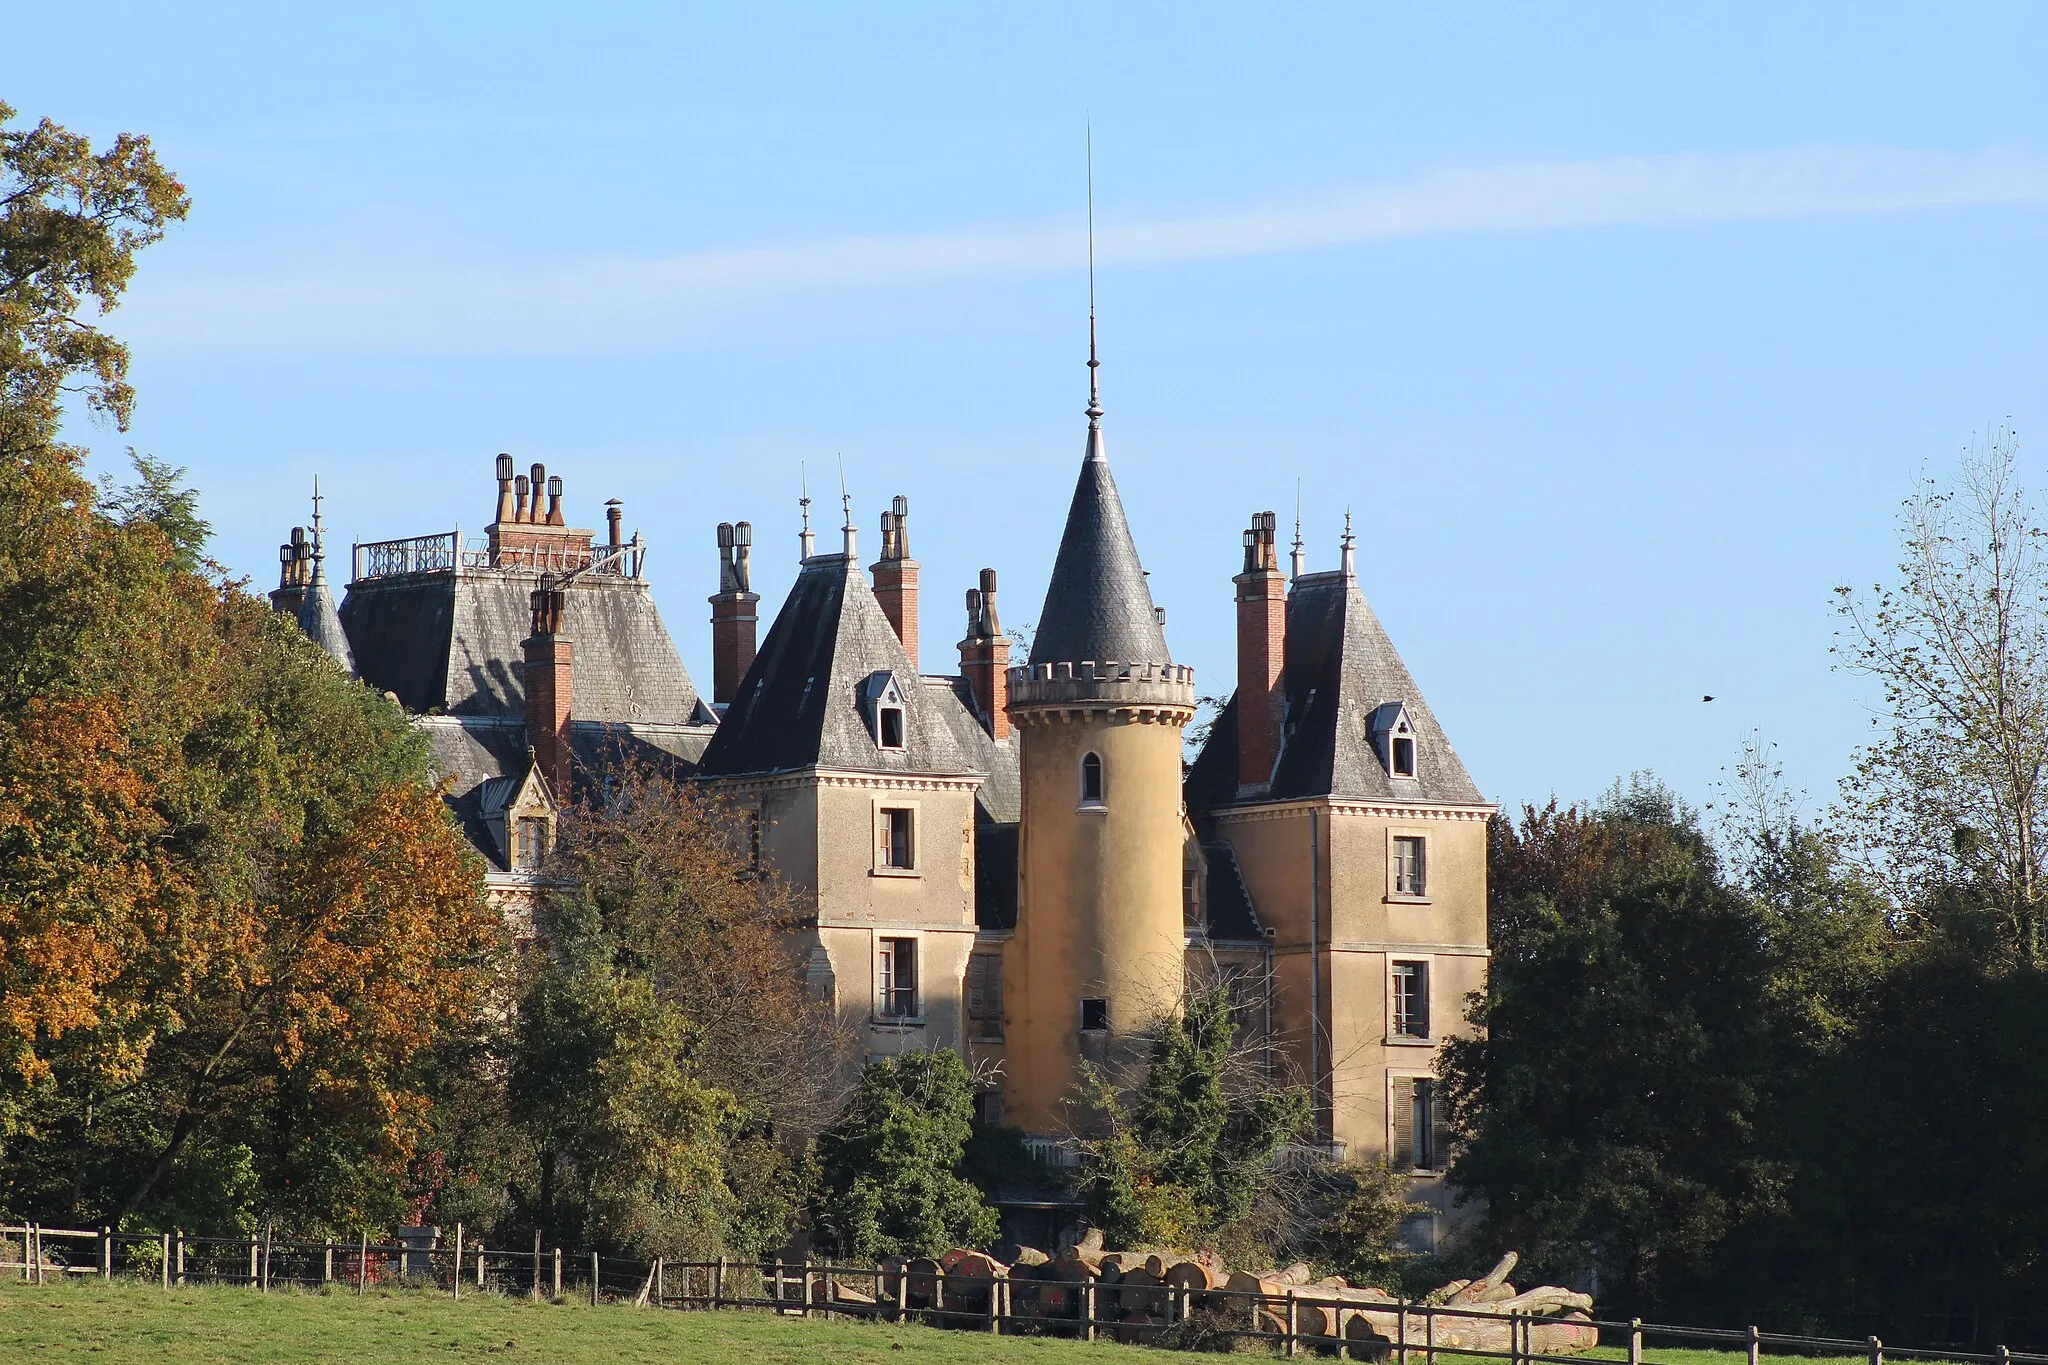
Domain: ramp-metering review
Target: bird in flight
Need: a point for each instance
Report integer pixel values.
(1706, 698)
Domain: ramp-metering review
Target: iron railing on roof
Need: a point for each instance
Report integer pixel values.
(445, 553)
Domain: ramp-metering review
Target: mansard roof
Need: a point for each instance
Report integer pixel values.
(452, 642)
(804, 702)
(1340, 669)
(1098, 605)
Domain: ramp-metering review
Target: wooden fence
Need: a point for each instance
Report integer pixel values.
(1291, 1323)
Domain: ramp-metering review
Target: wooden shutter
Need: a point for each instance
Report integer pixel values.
(1402, 1157)
(1439, 1128)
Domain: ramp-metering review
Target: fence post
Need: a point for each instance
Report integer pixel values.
(1756, 1349)
(181, 1258)
(660, 1281)
(479, 1266)
(1293, 1325)
(998, 1285)
(1876, 1352)
(593, 1279)
(255, 1280)
(831, 1297)
(106, 1253)
(327, 1262)
(558, 1272)
(1635, 1341)
(807, 1284)
(266, 1258)
(1429, 1340)
(362, 1260)
(455, 1280)
(718, 1284)
(165, 1263)
(1088, 1310)
(1401, 1335)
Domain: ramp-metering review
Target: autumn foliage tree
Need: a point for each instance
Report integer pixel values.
(234, 916)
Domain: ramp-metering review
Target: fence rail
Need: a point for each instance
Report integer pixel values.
(1299, 1320)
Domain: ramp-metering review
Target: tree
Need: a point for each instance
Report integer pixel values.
(1611, 1104)
(71, 222)
(1957, 790)
(890, 1167)
(1188, 1149)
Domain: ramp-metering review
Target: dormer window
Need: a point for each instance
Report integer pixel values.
(883, 699)
(1393, 734)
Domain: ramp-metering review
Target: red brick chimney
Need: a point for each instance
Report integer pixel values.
(547, 682)
(985, 657)
(896, 576)
(733, 618)
(1261, 647)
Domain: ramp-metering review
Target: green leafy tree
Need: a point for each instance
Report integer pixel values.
(891, 1166)
(1186, 1153)
(1612, 1102)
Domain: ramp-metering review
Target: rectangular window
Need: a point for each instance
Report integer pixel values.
(891, 727)
(899, 842)
(1404, 757)
(1095, 1015)
(897, 972)
(1421, 1139)
(533, 841)
(1411, 1000)
(985, 997)
(1411, 873)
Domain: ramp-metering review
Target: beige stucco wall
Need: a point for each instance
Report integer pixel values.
(1362, 929)
(1099, 898)
(820, 832)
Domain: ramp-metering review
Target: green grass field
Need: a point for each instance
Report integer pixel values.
(92, 1321)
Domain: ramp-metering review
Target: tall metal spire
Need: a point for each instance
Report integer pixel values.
(319, 545)
(1299, 562)
(806, 547)
(1094, 391)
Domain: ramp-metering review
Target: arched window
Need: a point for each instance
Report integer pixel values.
(1091, 779)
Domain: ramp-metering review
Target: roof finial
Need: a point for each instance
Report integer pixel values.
(1094, 391)
(1300, 558)
(805, 544)
(846, 509)
(319, 546)
(1349, 557)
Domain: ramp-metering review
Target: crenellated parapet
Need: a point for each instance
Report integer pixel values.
(1150, 693)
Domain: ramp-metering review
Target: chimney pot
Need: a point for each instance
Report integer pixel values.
(538, 477)
(985, 658)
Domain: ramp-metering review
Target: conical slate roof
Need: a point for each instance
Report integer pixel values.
(1098, 605)
(321, 622)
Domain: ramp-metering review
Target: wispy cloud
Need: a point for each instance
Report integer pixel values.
(621, 301)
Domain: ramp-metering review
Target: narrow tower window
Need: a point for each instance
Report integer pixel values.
(1091, 779)
(533, 841)
(1094, 1015)
(1404, 755)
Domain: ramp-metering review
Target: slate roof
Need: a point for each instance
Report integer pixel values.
(801, 703)
(317, 617)
(1339, 669)
(1097, 604)
(453, 643)
(1231, 916)
(484, 757)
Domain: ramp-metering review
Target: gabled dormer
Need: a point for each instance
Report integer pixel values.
(1393, 739)
(520, 815)
(886, 712)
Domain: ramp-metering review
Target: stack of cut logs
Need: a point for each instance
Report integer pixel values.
(1139, 1294)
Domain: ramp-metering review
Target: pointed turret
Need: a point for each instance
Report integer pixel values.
(1098, 605)
(304, 594)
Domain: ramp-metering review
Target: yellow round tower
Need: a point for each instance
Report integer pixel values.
(1100, 945)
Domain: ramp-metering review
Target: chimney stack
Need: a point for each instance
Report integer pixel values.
(1261, 649)
(555, 502)
(519, 507)
(294, 572)
(985, 657)
(534, 514)
(548, 688)
(506, 510)
(896, 576)
(613, 511)
(733, 617)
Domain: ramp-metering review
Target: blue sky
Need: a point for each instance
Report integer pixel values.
(1621, 329)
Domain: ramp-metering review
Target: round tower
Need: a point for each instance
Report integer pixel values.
(1100, 945)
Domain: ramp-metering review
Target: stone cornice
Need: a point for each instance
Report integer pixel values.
(1382, 810)
(848, 777)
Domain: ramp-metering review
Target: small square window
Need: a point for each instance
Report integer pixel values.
(1094, 1015)
(898, 839)
(1411, 872)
